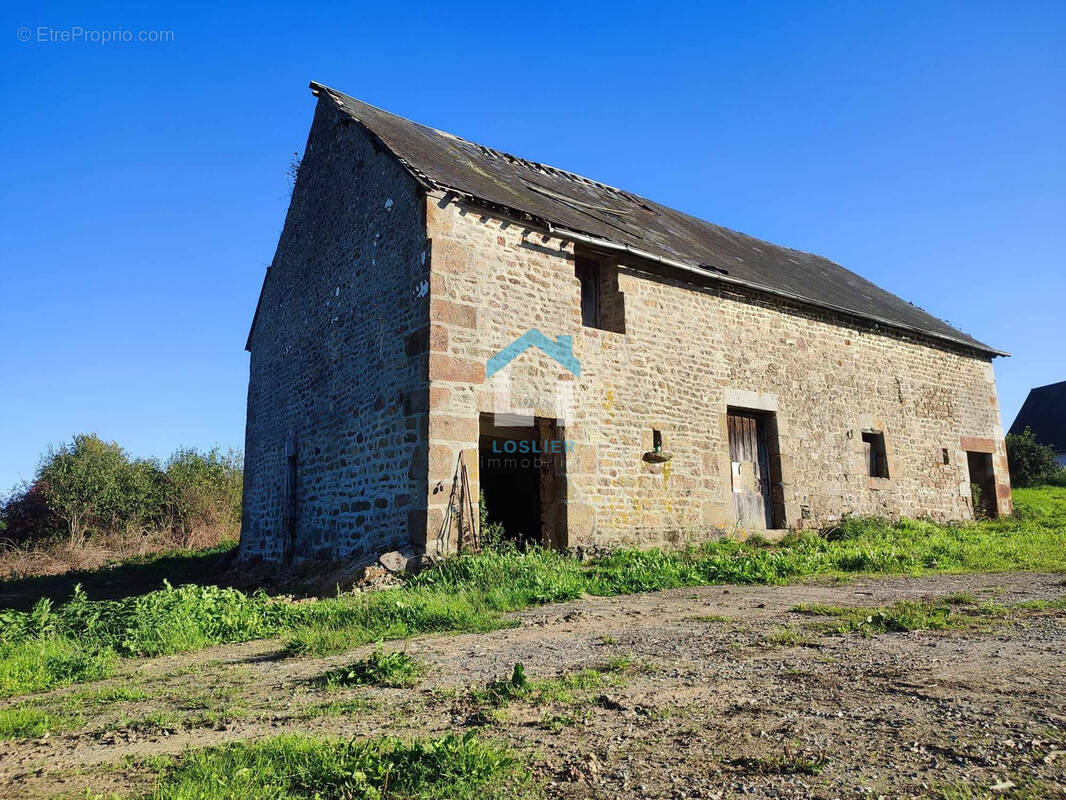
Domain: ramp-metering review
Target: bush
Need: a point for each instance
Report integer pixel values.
(1032, 463)
(91, 483)
(203, 490)
(25, 515)
(90, 486)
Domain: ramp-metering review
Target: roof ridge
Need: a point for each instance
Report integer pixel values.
(538, 166)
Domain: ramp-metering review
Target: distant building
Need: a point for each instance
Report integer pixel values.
(1044, 413)
(444, 322)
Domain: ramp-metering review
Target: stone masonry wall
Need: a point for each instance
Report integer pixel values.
(336, 359)
(688, 354)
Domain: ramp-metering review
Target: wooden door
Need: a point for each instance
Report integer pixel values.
(751, 484)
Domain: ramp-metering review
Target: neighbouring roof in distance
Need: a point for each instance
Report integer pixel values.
(1044, 412)
(569, 201)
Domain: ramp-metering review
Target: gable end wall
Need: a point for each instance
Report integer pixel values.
(338, 356)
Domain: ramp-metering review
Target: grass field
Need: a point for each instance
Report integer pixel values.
(82, 639)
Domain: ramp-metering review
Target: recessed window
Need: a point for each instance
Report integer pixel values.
(873, 445)
(946, 457)
(656, 440)
(603, 304)
(588, 272)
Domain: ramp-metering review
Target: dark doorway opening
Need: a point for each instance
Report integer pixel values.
(755, 467)
(522, 474)
(982, 484)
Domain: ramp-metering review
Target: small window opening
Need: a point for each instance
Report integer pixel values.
(656, 440)
(873, 444)
(947, 458)
(588, 272)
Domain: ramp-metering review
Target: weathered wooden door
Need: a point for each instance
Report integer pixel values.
(751, 484)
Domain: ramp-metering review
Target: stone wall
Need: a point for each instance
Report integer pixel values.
(686, 355)
(338, 357)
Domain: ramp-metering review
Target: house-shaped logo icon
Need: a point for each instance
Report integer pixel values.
(561, 350)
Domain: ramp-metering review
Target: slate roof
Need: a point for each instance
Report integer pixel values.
(443, 161)
(1044, 411)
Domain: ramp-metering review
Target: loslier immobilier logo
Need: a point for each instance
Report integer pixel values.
(510, 411)
(562, 350)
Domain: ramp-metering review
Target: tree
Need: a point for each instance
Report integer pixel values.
(204, 489)
(1031, 463)
(90, 482)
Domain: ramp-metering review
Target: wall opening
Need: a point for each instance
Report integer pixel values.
(873, 446)
(982, 484)
(587, 271)
(755, 467)
(602, 303)
(522, 471)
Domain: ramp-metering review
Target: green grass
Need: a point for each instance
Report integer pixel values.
(26, 722)
(339, 708)
(903, 616)
(109, 708)
(136, 575)
(396, 670)
(297, 767)
(81, 639)
(571, 689)
(39, 663)
(950, 612)
(708, 618)
(64, 713)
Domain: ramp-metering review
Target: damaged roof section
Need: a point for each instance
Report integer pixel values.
(584, 206)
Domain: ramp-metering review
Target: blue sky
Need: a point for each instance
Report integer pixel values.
(144, 185)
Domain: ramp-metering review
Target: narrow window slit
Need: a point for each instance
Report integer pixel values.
(873, 444)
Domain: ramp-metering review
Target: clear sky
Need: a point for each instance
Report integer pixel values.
(144, 184)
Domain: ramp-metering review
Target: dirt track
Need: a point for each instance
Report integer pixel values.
(708, 708)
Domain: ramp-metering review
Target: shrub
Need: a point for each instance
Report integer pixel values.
(90, 489)
(25, 515)
(91, 483)
(203, 490)
(1032, 463)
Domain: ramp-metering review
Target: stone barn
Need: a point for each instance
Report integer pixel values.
(446, 326)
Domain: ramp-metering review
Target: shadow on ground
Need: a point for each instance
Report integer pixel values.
(130, 578)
